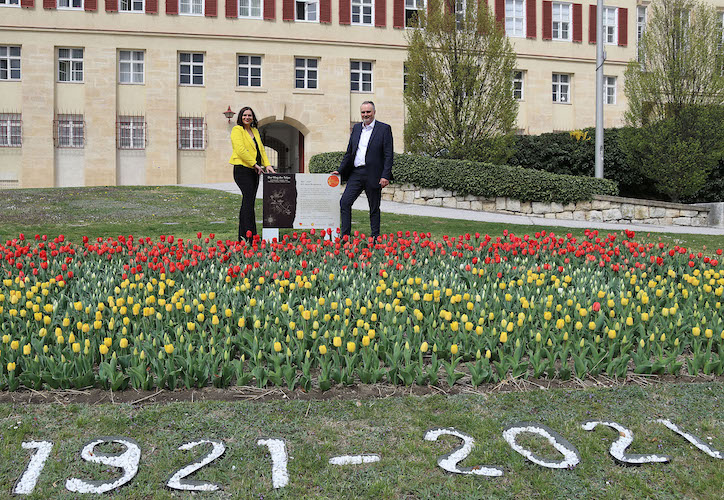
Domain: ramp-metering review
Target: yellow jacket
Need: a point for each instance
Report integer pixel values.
(244, 150)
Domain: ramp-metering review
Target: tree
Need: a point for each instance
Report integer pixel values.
(459, 94)
(673, 91)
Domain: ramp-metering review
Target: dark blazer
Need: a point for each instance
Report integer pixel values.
(378, 159)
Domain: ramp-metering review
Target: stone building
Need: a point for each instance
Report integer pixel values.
(120, 92)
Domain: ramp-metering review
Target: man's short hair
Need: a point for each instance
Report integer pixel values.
(370, 103)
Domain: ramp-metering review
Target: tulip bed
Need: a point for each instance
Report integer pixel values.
(308, 312)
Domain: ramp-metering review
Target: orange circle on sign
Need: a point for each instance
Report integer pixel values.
(333, 181)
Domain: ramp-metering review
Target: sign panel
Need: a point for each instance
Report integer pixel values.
(301, 201)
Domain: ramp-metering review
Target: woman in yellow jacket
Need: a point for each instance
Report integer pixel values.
(249, 160)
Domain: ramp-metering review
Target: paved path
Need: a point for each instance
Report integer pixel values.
(454, 213)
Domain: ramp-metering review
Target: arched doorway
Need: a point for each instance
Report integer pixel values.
(284, 146)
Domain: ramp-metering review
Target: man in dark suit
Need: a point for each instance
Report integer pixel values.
(366, 166)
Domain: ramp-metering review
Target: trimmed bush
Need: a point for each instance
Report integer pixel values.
(483, 179)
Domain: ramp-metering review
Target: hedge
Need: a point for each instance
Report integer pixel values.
(483, 179)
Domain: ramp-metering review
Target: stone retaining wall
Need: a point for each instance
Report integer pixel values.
(601, 209)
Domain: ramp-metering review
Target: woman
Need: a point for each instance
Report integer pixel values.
(249, 160)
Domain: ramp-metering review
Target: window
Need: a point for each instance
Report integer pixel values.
(191, 133)
(610, 25)
(306, 10)
(130, 66)
(561, 21)
(518, 85)
(70, 4)
(10, 3)
(250, 9)
(412, 9)
(131, 6)
(609, 89)
(69, 131)
(191, 68)
(460, 6)
(640, 28)
(361, 76)
(70, 65)
(362, 12)
(561, 88)
(515, 17)
(191, 7)
(305, 73)
(9, 62)
(11, 130)
(249, 71)
(131, 132)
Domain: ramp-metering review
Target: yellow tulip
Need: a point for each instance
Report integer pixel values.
(26, 349)
(11, 367)
(103, 349)
(322, 349)
(277, 347)
(454, 349)
(337, 341)
(503, 337)
(168, 348)
(123, 343)
(424, 347)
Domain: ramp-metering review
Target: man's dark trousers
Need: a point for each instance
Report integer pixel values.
(355, 185)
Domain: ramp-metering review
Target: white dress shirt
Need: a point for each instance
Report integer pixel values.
(364, 140)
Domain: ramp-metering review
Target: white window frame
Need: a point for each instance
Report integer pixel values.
(136, 67)
(307, 72)
(512, 19)
(250, 67)
(70, 131)
(9, 3)
(358, 9)
(610, 25)
(195, 127)
(641, 17)
(11, 130)
(357, 73)
(10, 63)
(69, 4)
(310, 11)
(247, 9)
(413, 7)
(191, 64)
(562, 21)
(561, 88)
(519, 85)
(134, 128)
(75, 65)
(609, 89)
(186, 7)
(132, 6)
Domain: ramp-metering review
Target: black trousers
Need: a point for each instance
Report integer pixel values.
(248, 181)
(355, 185)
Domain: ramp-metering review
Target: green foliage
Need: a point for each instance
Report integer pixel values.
(483, 179)
(459, 88)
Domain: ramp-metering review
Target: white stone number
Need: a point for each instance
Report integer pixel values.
(618, 447)
(177, 481)
(354, 459)
(692, 439)
(450, 462)
(278, 452)
(128, 461)
(29, 478)
(571, 457)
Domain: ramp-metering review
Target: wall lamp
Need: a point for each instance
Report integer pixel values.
(228, 113)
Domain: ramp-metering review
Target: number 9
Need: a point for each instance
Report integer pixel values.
(128, 461)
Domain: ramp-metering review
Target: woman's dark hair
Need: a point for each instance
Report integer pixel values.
(254, 123)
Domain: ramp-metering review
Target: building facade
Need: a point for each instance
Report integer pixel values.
(121, 92)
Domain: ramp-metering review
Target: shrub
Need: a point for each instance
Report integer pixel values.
(483, 179)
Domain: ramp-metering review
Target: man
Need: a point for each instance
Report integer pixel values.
(366, 166)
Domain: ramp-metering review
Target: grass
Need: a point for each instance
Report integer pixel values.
(155, 210)
(393, 428)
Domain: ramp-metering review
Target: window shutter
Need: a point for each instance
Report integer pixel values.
(48, 4)
(530, 19)
(171, 7)
(500, 13)
(90, 5)
(380, 13)
(345, 14)
(547, 20)
(577, 22)
(232, 8)
(111, 5)
(622, 26)
(325, 11)
(288, 10)
(270, 10)
(28, 3)
(211, 8)
(592, 23)
(449, 6)
(151, 6)
(398, 14)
